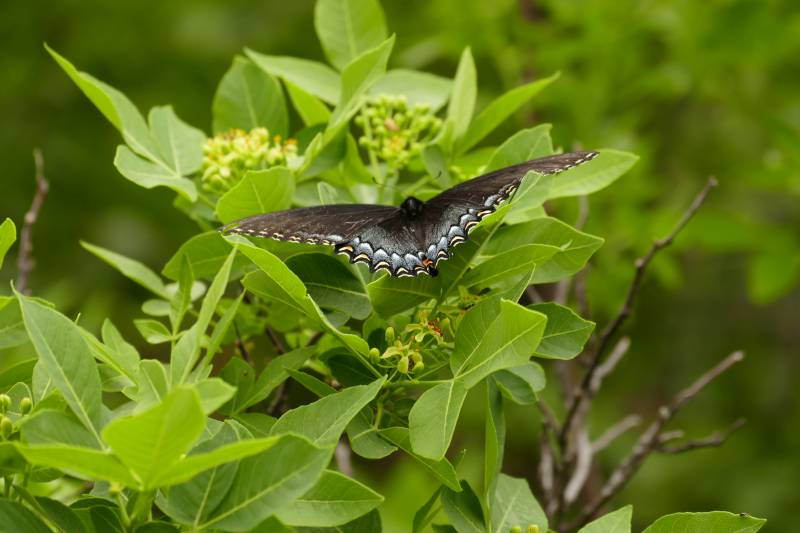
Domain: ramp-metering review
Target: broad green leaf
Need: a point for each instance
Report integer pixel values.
(12, 327)
(323, 421)
(494, 334)
(42, 384)
(23, 521)
(509, 264)
(152, 441)
(465, 91)
(514, 292)
(620, 522)
(258, 424)
(364, 438)
(417, 87)
(130, 269)
(180, 145)
(11, 461)
(436, 164)
(8, 235)
(124, 355)
(348, 28)
(66, 357)
(565, 332)
(369, 523)
(153, 385)
(206, 253)
(594, 175)
(249, 97)
(333, 501)
(521, 383)
(220, 329)
(441, 469)
(499, 110)
(64, 518)
(464, 509)
(348, 370)
(182, 298)
(315, 78)
(495, 439)
(84, 463)
(148, 175)
(106, 519)
(49, 427)
(576, 247)
(523, 146)
(513, 504)
(433, 419)
(275, 374)
(22, 371)
(714, 522)
(331, 284)
(390, 295)
(240, 375)
(112, 380)
(310, 109)
(530, 207)
(357, 77)
(213, 394)
(266, 482)
(259, 192)
(117, 108)
(153, 331)
(157, 527)
(427, 512)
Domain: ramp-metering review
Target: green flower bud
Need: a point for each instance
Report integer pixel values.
(25, 406)
(374, 356)
(533, 529)
(114, 490)
(5, 402)
(419, 367)
(402, 366)
(417, 357)
(516, 529)
(444, 323)
(390, 337)
(7, 427)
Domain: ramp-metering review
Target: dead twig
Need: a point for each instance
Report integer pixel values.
(714, 440)
(275, 341)
(24, 262)
(241, 347)
(629, 422)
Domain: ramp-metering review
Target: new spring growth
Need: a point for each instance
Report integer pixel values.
(25, 406)
(5, 403)
(374, 356)
(402, 365)
(229, 156)
(398, 130)
(6, 427)
(516, 529)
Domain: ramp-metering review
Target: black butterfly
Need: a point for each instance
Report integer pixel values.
(408, 239)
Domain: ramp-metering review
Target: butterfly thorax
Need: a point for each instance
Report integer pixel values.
(412, 207)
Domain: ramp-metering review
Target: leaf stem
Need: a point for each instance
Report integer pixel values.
(373, 158)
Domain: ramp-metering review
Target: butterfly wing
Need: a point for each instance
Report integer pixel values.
(451, 215)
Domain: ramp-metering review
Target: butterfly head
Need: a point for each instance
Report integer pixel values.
(411, 206)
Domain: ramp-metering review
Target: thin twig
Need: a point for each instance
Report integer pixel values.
(583, 465)
(629, 422)
(534, 295)
(240, 345)
(549, 418)
(714, 440)
(275, 341)
(583, 214)
(315, 338)
(24, 262)
(342, 455)
(648, 442)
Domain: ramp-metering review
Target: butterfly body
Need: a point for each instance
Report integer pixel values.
(409, 239)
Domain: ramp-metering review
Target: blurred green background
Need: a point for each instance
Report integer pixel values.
(694, 88)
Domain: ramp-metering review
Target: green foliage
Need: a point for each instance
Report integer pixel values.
(426, 343)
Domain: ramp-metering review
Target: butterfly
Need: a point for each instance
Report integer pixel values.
(408, 239)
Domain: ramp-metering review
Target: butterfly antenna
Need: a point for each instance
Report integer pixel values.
(390, 186)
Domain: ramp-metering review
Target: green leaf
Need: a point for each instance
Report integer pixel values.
(495, 334)
(66, 357)
(180, 145)
(620, 522)
(266, 482)
(152, 441)
(12, 327)
(499, 110)
(206, 253)
(259, 192)
(249, 97)
(495, 439)
(124, 355)
(84, 463)
(112, 380)
(523, 146)
(117, 108)
(149, 175)
(153, 384)
(435, 163)
(220, 329)
(530, 207)
(11, 461)
(369, 523)
(312, 77)
(310, 109)
(323, 421)
(50, 427)
(348, 371)
(22, 371)
(521, 383)
(418, 87)
(433, 419)
(509, 264)
(8, 235)
(333, 501)
(348, 28)
(427, 512)
(464, 509)
(331, 284)
(130, 269)
(565, 332)
(241, 376)
(213, 394)
(153, 331)
(23, 521)
(182, 298)
(391, 296)
(275, 374)
(157, 527)
(41, 382)
(441, 469)
(364, 438)
(465, 91)
(17, 393)
(513, 504)
(594, 175)
(357, 77)
(59, 514)
(106, 520)
(576, 247)
(714, 522)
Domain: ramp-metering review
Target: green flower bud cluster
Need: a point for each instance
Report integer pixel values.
(398, 131)
(405, 358)
(531, 529)
(229, 156)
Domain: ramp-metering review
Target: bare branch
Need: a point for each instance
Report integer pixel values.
(609, 365)
(534, 295)
(342, 454)
(583, 214)
(275, 341)
(314, 338)
(24, 262)
(670, 435)
(583, 465)
(629, 422)
(546, 467)
(549, 418)
(714, 440)
(240, 345)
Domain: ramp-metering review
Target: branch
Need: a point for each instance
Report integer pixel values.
(714, 440)
(240, 345)
(649, 441)
(342, 455)
(24, 263)
(275, 341)
(629, 422)
(583, 213)
(549, 418)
